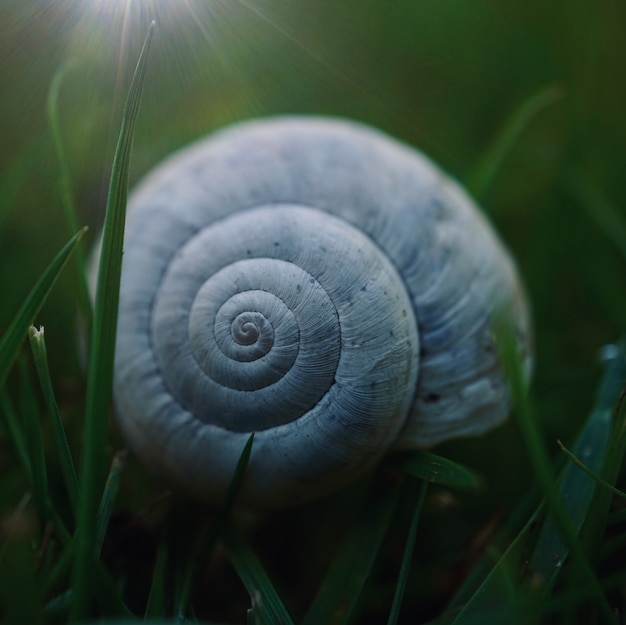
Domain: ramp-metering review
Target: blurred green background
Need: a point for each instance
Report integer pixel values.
(448, 76)
(445, 76)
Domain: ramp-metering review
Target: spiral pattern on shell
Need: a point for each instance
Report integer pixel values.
(317, 283)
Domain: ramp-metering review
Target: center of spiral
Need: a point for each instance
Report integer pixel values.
(249, 328)
(245, 334)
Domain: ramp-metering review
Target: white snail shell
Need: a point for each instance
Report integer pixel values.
(318, 283)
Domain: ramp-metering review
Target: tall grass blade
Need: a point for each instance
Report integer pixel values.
(36, 457)
(487, 168)
(407, 557)
(576, 461)
(253, 616)
(267, 603)
(217, 527)
(544, 474)
(611, 391)
(501, 597)
(576, 487)
(16, 332)
(109, 495)
(59, 571)
(34, 446)
(498, 598)
(342, 586)
(501, 560)
(107, 593)
(155, 607)
(38, 346)
(100, 370)
(65, 189)
(559, 513)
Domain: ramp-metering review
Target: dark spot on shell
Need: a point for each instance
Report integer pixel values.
(363, 289)
(276, 243)
(431, 398)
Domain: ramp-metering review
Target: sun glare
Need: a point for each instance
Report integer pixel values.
(115, 20)
(216, 51)
(107, 29)
(216, 60)
(139, 8)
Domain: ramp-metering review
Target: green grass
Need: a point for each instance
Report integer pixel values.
(101, 352)
(527, 109)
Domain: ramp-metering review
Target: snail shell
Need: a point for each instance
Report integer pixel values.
(318, 283)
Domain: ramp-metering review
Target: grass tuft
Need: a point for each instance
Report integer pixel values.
(102, 348)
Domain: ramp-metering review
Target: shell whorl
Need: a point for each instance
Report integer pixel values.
(315, 282)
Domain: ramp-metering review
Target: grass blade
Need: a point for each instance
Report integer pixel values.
(100, 371)
(433, 468)
(267, 603)
(603, 213)
(407, 557)
(585, 469)
(109, 495)
(500, 597)
(155, 606)
(38, 346)
(576, 487)
(487, 168)
(219, 523)
(60, 570)
(542, 468)
(340, 590)
(65, 189)
(34, 446)
(501, 561)
(107, 593)
(611, 391)
(15, 334)
(36, 458)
